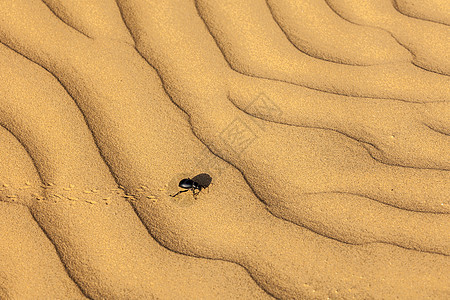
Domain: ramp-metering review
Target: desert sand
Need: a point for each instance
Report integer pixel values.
(323, 127)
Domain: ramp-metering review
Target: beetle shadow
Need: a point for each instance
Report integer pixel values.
(203, 179)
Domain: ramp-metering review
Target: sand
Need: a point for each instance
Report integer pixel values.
(329, 158)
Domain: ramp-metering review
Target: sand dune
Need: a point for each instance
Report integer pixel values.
(430, 10)
(329, 159)
(315, 29)
(258, 47)
(415, 34)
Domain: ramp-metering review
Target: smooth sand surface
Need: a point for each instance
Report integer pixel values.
(329, 159)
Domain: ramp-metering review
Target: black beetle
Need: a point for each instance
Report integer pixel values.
(189, 184)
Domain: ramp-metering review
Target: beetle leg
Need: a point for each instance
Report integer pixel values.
(179, 192)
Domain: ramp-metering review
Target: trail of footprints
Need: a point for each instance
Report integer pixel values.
(57, 194)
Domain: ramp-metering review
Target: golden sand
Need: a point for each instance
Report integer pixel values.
(324, 126)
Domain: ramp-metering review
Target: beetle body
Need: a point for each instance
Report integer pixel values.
(189, 184)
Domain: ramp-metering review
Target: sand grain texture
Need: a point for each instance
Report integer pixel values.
(329, 158)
